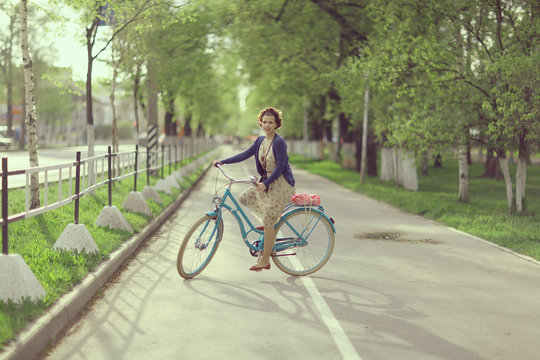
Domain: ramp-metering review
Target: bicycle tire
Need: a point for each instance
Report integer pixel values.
(307, 259)
(192, 258)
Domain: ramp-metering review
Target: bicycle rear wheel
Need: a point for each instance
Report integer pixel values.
(199, 246)
(312, 241)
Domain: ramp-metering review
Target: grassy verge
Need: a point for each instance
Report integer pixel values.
(486, 215)
(58, 272)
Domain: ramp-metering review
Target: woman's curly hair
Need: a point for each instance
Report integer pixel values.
(273, 112)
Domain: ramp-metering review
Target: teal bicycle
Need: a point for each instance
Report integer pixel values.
(304, 241)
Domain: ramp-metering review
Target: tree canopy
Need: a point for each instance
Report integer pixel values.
(442, 74)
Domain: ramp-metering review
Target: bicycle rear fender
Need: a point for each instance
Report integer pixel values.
(318, 210)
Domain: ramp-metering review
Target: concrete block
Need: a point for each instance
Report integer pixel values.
(178, 176)
(162, 185)
(149, 193)
(135, 202)
(190, 168)
(18, 281)
(112, 216)
(76, 237)
(171, 180)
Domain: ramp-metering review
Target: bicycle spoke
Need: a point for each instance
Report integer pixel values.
(309, 236)
(199, 246)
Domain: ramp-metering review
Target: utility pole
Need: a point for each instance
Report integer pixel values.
(364, 135)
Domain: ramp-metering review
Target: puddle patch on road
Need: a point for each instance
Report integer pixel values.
(393, 236)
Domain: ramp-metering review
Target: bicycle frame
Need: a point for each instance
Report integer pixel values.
(239, 215)
(241, 218)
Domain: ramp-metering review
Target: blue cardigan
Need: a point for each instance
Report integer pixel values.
(279, 146)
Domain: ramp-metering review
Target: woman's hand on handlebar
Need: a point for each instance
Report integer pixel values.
(217, 162)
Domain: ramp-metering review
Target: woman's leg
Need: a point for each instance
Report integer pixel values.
(269, 240)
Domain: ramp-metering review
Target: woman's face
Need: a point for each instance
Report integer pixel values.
(268, 123)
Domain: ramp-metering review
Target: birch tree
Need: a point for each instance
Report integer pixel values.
(504, 36)
(455, 66)
(31, 120)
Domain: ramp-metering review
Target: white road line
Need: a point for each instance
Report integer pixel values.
(343, 343)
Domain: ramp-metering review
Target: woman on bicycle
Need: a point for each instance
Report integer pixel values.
(276, 186)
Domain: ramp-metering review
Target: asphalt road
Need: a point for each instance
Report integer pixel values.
(398, 286)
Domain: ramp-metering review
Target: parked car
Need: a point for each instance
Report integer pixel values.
(5, 141)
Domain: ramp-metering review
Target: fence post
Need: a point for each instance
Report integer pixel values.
(162, 159)
(181, 152)
(5, 248)
(147, 166)
(109, 164)
(175, 156)
(77, 185)
(136, 167)
(170, 159)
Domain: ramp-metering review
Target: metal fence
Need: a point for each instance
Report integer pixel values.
(84, 176)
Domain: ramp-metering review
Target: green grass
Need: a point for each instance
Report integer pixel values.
(486, 215)
(59, 272)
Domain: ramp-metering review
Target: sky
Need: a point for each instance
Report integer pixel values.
(69, 41)
(66, 41)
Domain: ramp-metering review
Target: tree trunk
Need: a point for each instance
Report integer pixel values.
(345, 133)
(396, 169)
(463, 174)
(113, 107)
(521, 177)
(22, 136)
(425, 163)
(30, 106)
(6, 64)
(357, 147)
(90, 38)
(305, 132)
(9, 85)
(371, 154)
(170, 125)
(521, 173)
(491, 165)
(503, 161)
(187, 126)
(152, 100)
(438, 161)
(135, 98)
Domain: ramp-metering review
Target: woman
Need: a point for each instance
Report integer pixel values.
(276, 186)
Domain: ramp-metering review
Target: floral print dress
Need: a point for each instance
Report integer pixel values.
(268, 206)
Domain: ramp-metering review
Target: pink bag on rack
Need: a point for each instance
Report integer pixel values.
(306, 199)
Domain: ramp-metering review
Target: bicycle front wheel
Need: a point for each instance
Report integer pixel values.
(199, 246)
(308, 241)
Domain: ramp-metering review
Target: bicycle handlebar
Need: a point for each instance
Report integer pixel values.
(252, 179)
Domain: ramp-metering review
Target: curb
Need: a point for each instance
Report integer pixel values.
(500, 247)
(35, 337)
